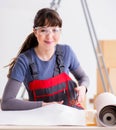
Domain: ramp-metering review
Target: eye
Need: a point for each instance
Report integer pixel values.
(43, 30)
(55, 30)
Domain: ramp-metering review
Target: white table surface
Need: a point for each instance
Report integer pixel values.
(54, 128)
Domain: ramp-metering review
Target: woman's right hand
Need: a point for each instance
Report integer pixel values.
(55, 102)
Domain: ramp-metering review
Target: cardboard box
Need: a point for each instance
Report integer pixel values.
(112, 77)
(108, 48)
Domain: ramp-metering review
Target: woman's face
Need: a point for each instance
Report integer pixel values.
(47, 37)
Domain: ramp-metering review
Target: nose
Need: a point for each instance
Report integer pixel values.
(49, 32)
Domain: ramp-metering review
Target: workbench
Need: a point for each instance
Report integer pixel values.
(51, 117)
(55, 128)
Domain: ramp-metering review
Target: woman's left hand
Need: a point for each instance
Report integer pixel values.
(81, 91)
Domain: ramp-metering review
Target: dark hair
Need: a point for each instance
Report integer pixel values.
(47, 17)
(44, 17)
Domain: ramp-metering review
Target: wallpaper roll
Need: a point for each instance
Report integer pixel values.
(105, 104)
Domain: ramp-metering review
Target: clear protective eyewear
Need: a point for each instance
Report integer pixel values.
(47, 30)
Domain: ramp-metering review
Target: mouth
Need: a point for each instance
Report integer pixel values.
(48, 42)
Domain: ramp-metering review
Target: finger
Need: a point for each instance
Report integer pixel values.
(61, 102)
(80, 98)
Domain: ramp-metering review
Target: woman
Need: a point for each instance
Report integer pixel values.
(43, 66)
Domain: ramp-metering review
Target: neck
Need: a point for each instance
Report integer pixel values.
(44, 54)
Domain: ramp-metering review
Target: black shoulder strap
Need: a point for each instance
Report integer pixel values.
(59, 67)
(32, 66)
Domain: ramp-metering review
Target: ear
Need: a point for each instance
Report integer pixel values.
(35, 32)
